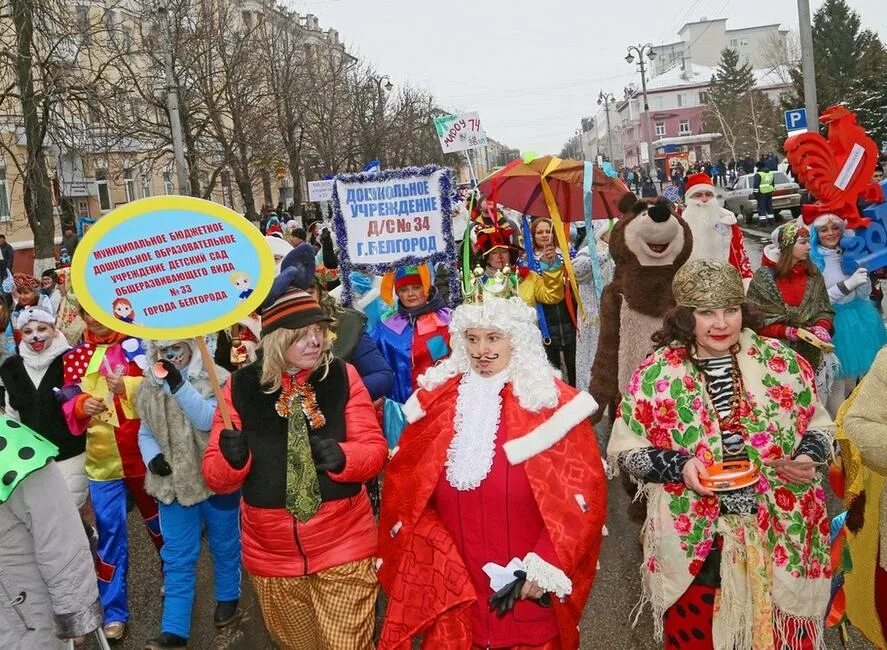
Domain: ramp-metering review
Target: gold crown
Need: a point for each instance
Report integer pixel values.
(503, 284)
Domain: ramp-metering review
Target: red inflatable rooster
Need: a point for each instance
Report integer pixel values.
(837, 170)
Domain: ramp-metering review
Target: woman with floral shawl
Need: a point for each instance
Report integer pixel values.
(746, 568)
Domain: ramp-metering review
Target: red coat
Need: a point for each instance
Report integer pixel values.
(276, 544)
(430, 589)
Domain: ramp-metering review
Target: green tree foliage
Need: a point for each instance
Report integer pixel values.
(851, 67)
(742, 114)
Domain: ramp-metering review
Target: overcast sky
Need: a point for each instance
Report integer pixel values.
(532, 68)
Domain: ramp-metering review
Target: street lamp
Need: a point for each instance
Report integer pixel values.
(606, 99)
(387, 86)
(642, 51)
(162, 24)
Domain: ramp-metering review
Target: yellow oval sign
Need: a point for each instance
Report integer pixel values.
(171, 267)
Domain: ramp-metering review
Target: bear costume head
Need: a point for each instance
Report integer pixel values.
(648, 246)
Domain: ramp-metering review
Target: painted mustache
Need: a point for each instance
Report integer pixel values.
(484, 357)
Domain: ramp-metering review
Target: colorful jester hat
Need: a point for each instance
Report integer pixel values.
(22, 452)
(404, 276)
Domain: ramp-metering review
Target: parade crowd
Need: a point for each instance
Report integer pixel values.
(456, 458)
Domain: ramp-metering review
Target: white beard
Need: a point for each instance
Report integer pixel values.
(711, 237)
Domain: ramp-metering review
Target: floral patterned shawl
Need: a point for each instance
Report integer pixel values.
(775, 568)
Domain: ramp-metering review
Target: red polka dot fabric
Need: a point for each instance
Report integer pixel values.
(76, 361)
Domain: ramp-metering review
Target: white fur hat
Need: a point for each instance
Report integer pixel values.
(38, 314)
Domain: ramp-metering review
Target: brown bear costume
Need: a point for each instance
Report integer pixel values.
(648, 246)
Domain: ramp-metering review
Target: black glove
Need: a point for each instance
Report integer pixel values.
(173, 376)
(503, 600)
(159, 466)
(328, 455)
(233, 446)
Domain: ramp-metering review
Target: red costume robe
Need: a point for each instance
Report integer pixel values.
(551, 455)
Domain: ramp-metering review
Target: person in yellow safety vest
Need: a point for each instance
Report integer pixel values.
(764, 186)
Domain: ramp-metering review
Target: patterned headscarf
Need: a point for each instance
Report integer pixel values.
(709, 284)
(23, 280)
(788, 234)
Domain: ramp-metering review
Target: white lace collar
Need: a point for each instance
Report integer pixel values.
(478, 407)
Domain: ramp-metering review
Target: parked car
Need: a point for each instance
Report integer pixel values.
(739, 197)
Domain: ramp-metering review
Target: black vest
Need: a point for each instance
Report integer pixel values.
(38, 407)
(266, 432)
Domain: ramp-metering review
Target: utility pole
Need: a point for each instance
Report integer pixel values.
(808, 67)
(641, 51)
(606, 99)
(172, 104)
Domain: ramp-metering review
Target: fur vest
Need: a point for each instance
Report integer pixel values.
(180, 441)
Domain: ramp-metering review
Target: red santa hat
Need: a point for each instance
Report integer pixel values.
(696, 183)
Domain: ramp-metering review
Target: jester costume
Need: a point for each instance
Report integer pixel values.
(113, 462)
(413, 340)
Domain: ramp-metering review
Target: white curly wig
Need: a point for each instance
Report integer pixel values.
(530, 374)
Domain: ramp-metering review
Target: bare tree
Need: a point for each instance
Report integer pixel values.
(53, 80)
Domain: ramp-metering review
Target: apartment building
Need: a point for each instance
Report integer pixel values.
(92, 172)
(702, 42)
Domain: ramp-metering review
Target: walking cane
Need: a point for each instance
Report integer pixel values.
(99, 636)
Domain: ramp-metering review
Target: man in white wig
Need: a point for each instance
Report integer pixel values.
(493, 504)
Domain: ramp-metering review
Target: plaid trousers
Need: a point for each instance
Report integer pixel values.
(329, 610)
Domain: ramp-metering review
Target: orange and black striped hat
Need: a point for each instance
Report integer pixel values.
(293, 310)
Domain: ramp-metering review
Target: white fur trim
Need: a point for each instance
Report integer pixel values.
(828, 217)
(691, 192)
(547, 434)
(549, 578)
(727, 217)
(412, 409)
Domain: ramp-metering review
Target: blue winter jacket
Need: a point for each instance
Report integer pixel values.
(372, 367)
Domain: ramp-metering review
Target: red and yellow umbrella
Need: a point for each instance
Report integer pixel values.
(520, 185)
(555, 188)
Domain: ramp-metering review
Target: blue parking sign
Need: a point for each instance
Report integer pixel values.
(796, 119)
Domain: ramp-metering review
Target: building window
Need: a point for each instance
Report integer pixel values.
(146, 186)
(703, 97)
(101, 181)
(129, 185)
(680, 100)
(167, 183)
(660, 128)
(4, 196)
(734, 42)
(684, 127)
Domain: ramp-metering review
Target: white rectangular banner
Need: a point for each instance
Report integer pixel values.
(394, 218)
(460, 132)
(321, 190)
